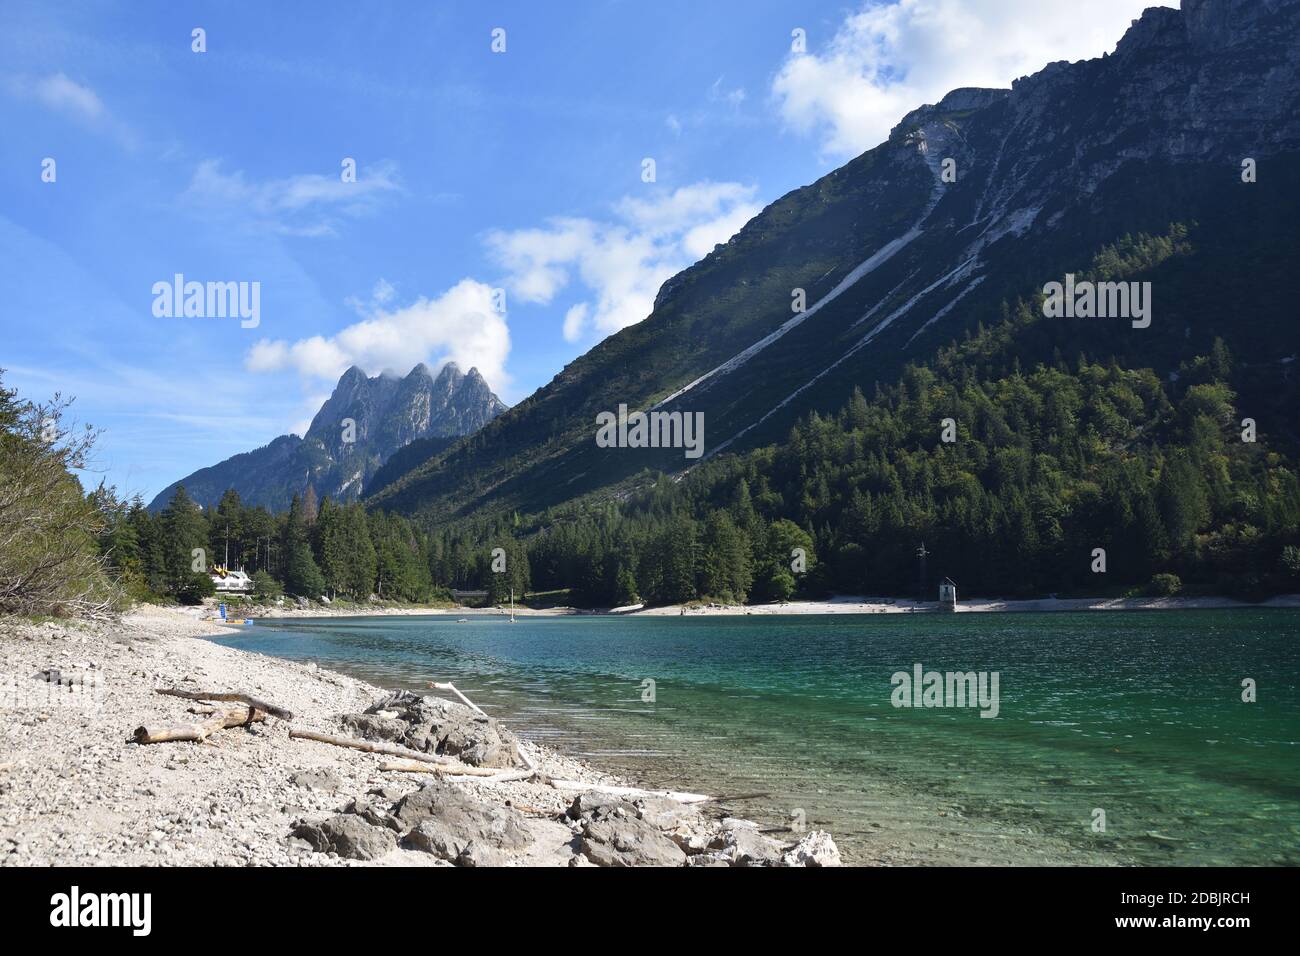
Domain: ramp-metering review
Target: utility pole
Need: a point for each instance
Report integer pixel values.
(920, 581)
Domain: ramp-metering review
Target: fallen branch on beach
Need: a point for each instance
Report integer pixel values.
(370, 746)
(414, 766)
(455, 771)
(201, 730)
(452, 687)
(234, 696)
(679, 796)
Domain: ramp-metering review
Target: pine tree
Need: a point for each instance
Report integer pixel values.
(184, 543)
(302, 577)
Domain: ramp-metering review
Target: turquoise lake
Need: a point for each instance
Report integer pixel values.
(1138, 715)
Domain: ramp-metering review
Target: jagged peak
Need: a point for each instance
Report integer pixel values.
(1157, 26)
(960, 100)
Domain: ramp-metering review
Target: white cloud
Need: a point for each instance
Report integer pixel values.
(300, 205)
(720, 94)
(59, 92)
(459, 325)
(889, 58)
(620, 263)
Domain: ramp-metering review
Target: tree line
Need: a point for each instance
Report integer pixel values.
(1073, 476)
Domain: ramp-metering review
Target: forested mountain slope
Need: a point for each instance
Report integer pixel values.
(896, 261)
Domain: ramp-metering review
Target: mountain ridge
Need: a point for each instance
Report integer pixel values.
(363, 423)
(894, 261)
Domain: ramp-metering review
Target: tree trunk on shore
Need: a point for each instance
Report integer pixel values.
(200, 731)
(235, 696)
(369, 746)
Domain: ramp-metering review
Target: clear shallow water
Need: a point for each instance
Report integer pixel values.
(1136, 713)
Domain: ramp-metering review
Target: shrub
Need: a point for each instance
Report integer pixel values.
(49, 552)
(194, 587)
(266, 587)
(1164, 585)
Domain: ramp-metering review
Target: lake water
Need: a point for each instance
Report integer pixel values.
(1136, 714)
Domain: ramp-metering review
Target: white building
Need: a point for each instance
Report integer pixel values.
(947, 595)
(231, 582)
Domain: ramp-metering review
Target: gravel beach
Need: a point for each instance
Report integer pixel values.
(74, 791)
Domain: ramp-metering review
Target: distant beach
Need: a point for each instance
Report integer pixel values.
(844, 604)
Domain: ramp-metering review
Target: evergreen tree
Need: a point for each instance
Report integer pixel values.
(302, 577)
(184, 544)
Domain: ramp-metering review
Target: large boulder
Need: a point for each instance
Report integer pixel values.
(816, 849)
(373, 812)
(594, 805)
(347, 835)
(628, 841)
(680, 822)
(374, 727)
(434, 725)
(742, 844)
(442, 820)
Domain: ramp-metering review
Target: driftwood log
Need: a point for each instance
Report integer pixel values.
(448, 685)
(200, 731)
(456, 769)
(234, 696)
(370, 746)
(452, 687)
(678, 795)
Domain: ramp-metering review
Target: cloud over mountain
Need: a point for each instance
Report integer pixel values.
(621, 262)
(887, 58)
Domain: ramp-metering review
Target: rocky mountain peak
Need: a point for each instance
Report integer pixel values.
(361, 425)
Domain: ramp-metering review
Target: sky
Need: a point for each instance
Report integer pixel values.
(526, 176)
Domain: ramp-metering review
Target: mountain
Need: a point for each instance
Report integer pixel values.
(896, 262)
(364, 423)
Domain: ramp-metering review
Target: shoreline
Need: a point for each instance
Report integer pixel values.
(846, 604)
(74, 791)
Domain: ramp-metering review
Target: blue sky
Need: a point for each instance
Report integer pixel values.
(476, 170)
